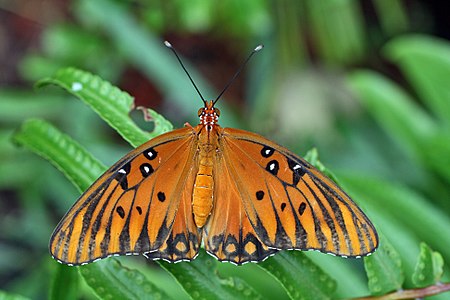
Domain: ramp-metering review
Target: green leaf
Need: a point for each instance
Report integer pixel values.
(62, 151)
(384, 269)
(337, 28)
(436, 152)
(429, 267)
(110, 280)
(18, 105)
(200, 280)
(65, 283)
(394, 110)
(299, 276)
(312, 156)
(9, 296)
(425, 61)
(162, 125)
(391, 15)
(112, 104)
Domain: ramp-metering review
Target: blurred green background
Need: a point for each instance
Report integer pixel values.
(365, 82)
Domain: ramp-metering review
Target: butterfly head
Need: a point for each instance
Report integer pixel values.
(209, 115)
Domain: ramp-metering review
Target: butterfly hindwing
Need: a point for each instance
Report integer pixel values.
(132, 207)
(229, 236)
(290, 204)
(184, 239)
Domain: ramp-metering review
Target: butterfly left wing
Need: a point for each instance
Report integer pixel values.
(140, 205)
(289, 203)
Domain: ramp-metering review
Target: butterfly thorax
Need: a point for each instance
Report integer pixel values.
(202, 197)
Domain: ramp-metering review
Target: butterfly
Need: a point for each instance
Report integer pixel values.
(240, 195)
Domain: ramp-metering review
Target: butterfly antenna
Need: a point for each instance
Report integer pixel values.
(259, 47)
(169, 45)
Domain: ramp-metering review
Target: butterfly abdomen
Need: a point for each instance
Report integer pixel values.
(202, 196)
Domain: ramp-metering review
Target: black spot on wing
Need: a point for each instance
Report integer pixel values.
(120, 211)
(273, 167)
(146, 169)
(259, 195)
(139, 209)
(301, 208)
(150, 153)
(161, 196)
(267, 151)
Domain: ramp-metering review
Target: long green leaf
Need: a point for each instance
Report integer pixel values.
(394, 110)
(426, 63)
(10, 296)
(392, 16)
(65, 283)
(300, 277)
(112, 104)
(384, 269)
(62, 151)
(200, 280)
(337, 30)
(110, 280)
(429, 267)
(18, 105)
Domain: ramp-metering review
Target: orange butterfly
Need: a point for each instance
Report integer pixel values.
(244, 195)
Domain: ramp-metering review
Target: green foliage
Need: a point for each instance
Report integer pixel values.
(8, 296)
(429, 268)
(111, 280)
(59, 288)
(391, 153)
(201, 280)
(108, 101)
(384, 270)
(63, 152)
(300, 277)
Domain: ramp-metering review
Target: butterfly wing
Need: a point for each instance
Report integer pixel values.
(229, 235)
(136, 206)
(289, 203)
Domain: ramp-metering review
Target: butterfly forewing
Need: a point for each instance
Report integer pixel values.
(131, 208)
(290, 204)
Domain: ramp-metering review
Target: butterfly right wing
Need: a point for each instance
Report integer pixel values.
(136, 207)
(290, 204)
(229, 234)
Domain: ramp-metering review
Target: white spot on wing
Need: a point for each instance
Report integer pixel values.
(296, 167)
(122, 171)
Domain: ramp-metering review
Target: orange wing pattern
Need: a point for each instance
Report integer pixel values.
(255, 196)
(229, 235)
(134, 207)
(289, 203)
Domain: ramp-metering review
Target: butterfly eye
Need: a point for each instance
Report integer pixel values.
(217, 111)
(200, 112)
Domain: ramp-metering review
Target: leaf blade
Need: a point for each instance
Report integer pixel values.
(299, 276)
(200, 280)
